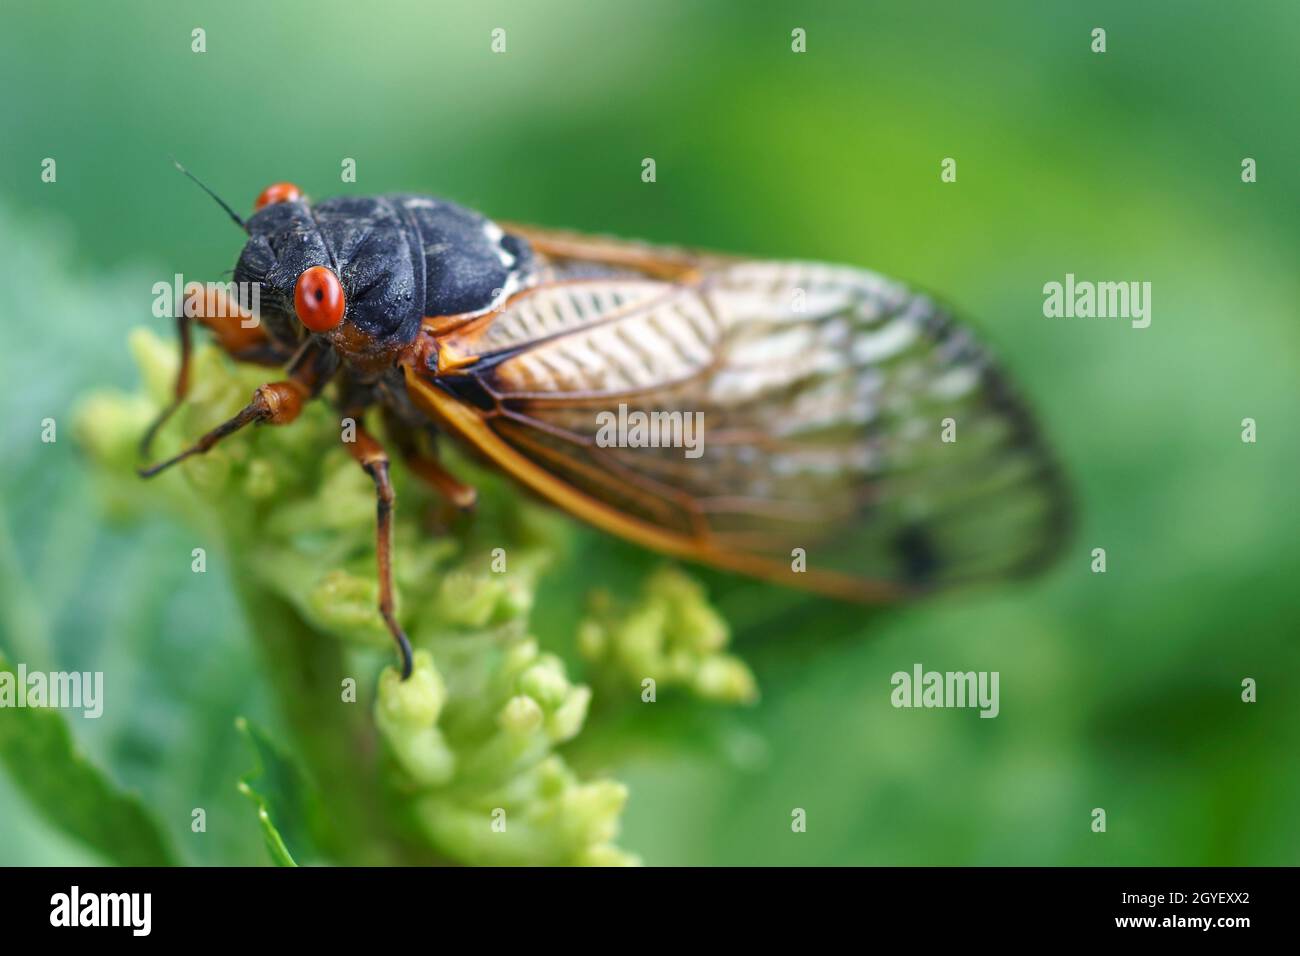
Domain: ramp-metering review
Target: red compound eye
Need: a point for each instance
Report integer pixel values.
(318, 297)
(277, 192)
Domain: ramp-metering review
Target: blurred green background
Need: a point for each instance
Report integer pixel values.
(1118, 691)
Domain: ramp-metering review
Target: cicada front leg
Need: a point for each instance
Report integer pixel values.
(275, 403)
(184, 334)
(235, 329)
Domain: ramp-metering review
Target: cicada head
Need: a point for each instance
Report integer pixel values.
(347, 279)
(364, 271)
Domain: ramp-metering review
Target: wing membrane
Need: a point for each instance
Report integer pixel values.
(820, 390)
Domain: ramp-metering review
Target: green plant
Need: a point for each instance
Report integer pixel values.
(460, 763)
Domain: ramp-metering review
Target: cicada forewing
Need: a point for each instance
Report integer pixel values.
(833, 429)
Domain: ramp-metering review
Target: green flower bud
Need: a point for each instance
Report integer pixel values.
(670, 632)
(521, 715)
(545, 682)
(415, 702)
(725, 678)
(569, 717)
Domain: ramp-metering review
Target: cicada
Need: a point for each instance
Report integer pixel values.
(852, 439)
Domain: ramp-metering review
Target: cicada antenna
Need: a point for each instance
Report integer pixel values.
(220, 202)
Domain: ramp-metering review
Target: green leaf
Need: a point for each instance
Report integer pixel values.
(46, 765)
(282, 797)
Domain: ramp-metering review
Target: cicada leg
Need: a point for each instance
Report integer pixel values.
(182, 386)
(276, 403)
(227, 320)
(432, 472)
(426, 466)
(371, 456)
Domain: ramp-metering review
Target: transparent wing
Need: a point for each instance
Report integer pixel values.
(762, 416)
